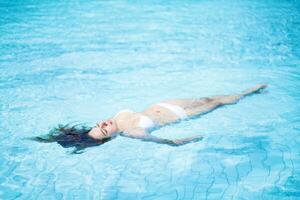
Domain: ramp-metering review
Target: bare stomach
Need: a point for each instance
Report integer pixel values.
(161, 115)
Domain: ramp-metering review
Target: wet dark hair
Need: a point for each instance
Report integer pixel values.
(71, 136)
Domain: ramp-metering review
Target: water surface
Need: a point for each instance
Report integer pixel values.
(83, 61)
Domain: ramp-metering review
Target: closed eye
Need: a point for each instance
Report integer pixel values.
(104, 131)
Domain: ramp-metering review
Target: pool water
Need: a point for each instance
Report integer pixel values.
(83, 61)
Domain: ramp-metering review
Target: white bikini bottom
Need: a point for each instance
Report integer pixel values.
(177, 110)
(147, 123)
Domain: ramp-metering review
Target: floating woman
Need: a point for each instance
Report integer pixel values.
(138, 125)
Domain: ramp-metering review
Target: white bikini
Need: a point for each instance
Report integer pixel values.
(177, 110)
(147, 123)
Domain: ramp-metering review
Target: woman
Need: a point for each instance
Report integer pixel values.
(138, 125)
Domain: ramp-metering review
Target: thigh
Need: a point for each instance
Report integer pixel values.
(227, 99)
(199, 106)
(202, 109)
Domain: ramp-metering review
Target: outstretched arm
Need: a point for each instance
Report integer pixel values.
(142, 135)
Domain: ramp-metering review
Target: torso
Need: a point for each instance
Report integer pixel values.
(156, 115)
(128, 120)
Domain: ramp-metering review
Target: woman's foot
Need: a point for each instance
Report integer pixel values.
(255, 89)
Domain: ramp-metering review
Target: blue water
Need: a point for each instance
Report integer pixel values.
(83, 61)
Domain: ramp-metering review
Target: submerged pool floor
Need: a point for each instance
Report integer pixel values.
(83, 61)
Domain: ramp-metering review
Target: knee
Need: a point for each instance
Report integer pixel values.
(207, 99)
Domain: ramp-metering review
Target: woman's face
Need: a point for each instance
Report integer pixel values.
(104, 129)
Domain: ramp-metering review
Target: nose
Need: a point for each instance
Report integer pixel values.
(104, 124)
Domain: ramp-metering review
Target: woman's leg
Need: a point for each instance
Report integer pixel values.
(203, 105)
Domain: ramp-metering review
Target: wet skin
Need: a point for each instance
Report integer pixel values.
(127, 124)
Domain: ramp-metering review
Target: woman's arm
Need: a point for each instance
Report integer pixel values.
(142, 135)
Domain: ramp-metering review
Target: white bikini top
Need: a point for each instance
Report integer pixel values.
(145, 121)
